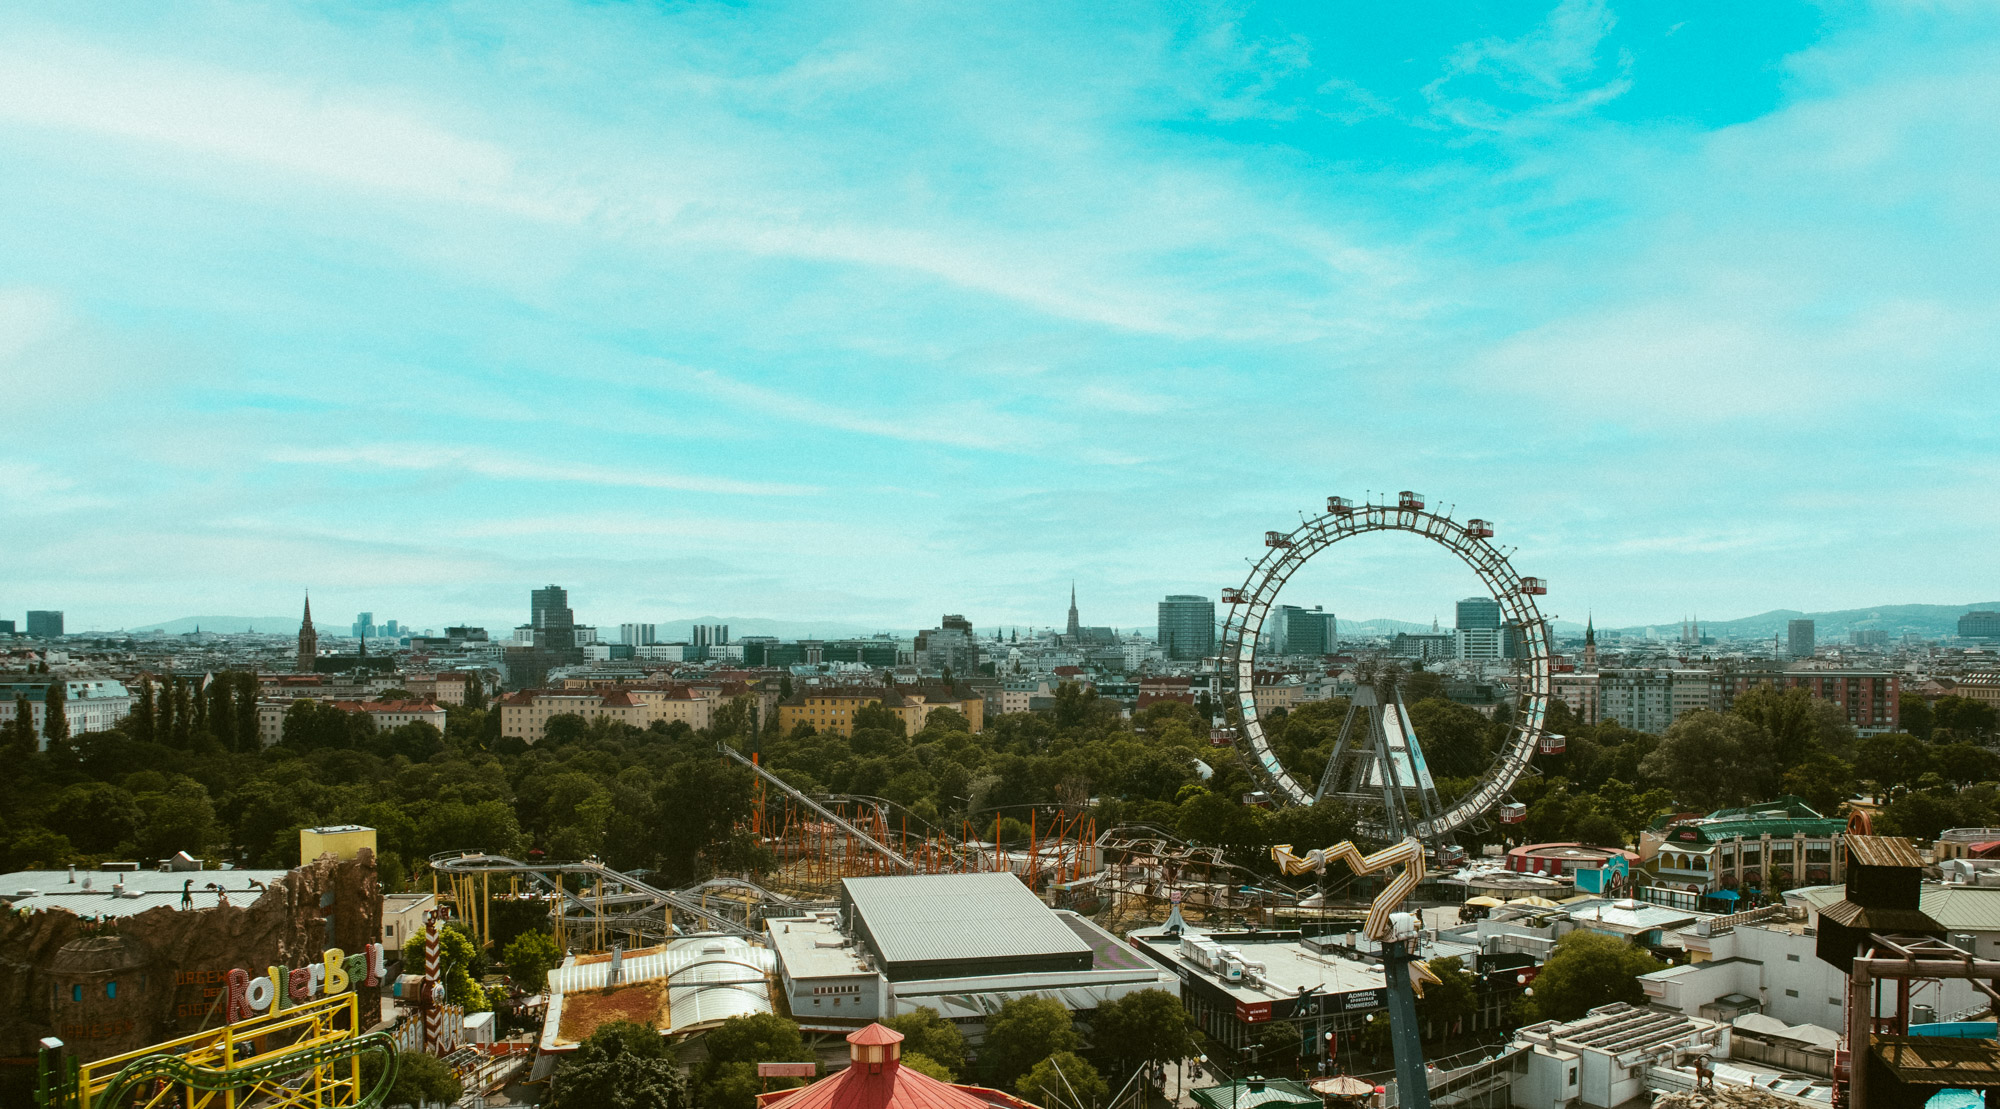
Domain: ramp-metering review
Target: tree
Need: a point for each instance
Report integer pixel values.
(530, 958)
(1798, 723)
(925, 1065)
(1063, 1081)
(1711, 760)
(247, 732)
(420, 1079)
(143, 715)
(933, 1037)
(1146, 1026)
(1915, 714)
(55, 721)
(1588, 969)
(21, 729)
(1823, 780)
(457, 955)
(622, 1065)
(1962, 717)
(1891, 761)
(727, 1079)
(183, 733)
(1450, 999)
(222, 710)
(1025, 1031)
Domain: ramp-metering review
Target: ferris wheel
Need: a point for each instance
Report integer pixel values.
(1394, 765)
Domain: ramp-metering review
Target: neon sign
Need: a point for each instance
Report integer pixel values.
(281, 988)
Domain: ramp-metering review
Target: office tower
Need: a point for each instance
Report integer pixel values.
(1301, 631)
(1187, 627)
(709, 635)
(1479, 632)
(1980, 625)
(550, 616)
(6, 627)
(45, 623)
(364, 625)
(1799, 639)
(951, 645)
(638, 635)
(308, 641)
(1478, 612)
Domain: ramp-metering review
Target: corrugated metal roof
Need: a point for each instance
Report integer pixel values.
(963, 917)
(95, 893)
(1963, 908)
(1883, 851)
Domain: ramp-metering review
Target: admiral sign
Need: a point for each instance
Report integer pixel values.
(1359, 1000)
(1253, 1012)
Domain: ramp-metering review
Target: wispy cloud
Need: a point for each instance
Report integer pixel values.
(523, 467)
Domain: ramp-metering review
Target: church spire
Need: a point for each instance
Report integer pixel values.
(308, 639)
(1075, 625)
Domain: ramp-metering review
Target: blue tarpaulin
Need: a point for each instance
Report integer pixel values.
(1725, 895)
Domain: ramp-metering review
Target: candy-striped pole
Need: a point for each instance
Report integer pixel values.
(433, 989)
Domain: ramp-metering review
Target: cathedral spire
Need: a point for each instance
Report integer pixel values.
(1075, 625)
(308, 639)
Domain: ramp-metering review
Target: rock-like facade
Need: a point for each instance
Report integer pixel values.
(114, 986)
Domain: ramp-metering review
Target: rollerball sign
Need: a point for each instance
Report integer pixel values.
(283, 987)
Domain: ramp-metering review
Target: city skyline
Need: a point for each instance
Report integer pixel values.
(871, 314)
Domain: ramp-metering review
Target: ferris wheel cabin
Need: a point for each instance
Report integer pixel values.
(1552, 744)
(1534, 587)
(1479, 529)
(1277, 539)
(1233, 595)
(1339, 506)
(1410, 502)
(1513, 813)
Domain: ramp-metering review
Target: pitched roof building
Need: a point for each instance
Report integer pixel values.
(875, 1078)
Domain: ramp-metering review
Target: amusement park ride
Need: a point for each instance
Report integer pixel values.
(1377, 762)
(309, 1052)
(1383, 762)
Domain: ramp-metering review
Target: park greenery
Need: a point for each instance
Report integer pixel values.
(187, 771)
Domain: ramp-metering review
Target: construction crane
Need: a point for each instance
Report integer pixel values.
(1402, 971)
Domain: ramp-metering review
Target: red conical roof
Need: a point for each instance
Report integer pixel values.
(875, 1034)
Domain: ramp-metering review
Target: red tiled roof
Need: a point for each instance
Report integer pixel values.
(875, 1034)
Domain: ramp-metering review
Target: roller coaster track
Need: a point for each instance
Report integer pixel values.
(621, 902)
(895, 857)
(257, 1080)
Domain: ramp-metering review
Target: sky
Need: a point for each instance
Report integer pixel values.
(866, 312)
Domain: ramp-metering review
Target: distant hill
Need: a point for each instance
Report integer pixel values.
(1930, 621)
(1382, 627)
(226, 625)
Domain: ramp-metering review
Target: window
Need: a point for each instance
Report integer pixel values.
(1572, 1076)
(1791, 993)
(76, 992)
(1791, 958)
(111, 989)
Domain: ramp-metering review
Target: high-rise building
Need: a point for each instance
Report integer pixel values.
(308, 640)
(638, 635)
(709, 635)
(1301, 631)
(364, 625)
(949, 645)
(1799, 639)
(45, 623)
(1187, 627)
(6, 627)
(1478, 613)
(1980, 625)
(549, 614)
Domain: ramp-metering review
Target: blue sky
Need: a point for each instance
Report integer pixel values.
(865, 312)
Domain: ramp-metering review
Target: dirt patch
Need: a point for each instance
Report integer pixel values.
(583, 1011)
